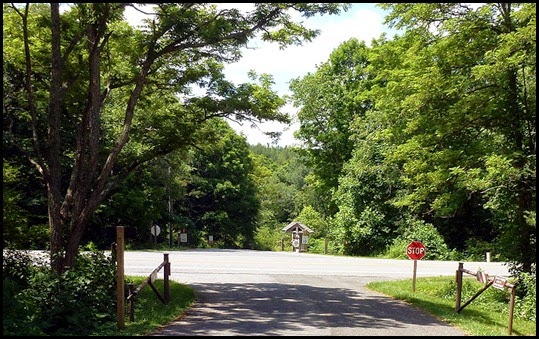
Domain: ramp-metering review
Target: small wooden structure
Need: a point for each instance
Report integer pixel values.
(300, 235)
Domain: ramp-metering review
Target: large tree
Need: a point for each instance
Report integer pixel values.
(458, 106)
(87, 98)
(436, 125)
(330, 99)
(220, 198)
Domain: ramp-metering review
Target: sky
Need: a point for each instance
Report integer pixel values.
(363, 21)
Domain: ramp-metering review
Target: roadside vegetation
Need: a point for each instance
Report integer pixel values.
(429, 135)
(150, 313)
(82, 301)
(487, 315)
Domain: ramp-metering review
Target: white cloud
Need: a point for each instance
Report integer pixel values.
(296, 61)
(256, 135)
(362, 21)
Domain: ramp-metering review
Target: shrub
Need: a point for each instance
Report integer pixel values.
(436, 248)
(526, 299)
(17, 267)
(477, 248)
(267, 239)
(73, 303)
(18, 317)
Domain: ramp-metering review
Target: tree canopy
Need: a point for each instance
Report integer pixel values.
(88, 98)
(442, 128)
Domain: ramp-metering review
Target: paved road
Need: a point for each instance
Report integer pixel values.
(244, 293)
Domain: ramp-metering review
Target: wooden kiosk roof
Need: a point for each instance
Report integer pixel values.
(294, 224)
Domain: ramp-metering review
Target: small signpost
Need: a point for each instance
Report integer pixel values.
(182, 236)
(155, 230)
(415, 251)
(496, 282)
(499, 283)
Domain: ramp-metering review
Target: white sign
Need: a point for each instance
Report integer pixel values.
(304, 239)
(155, 229)
(499, 283)
(183, 237)
(295, 243)
(210, 238)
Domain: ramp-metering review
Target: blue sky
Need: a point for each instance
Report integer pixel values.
(363, 21)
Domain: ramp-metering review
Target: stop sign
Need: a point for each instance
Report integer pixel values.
(415, 250)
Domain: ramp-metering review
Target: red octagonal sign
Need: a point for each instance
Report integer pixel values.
(415, 250)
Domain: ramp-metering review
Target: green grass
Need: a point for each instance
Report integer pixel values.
(150, 313)
(487, 315)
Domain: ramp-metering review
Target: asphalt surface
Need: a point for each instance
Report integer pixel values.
(285, 307)
(251, 293)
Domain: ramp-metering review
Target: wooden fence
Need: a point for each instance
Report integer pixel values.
(497, 282)
(165, 298)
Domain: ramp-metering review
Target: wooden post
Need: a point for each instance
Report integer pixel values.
(166, 285)
(511, 309)
(475, 295)
(131, 302)
(120, 292)
(459, 286)
(282, 244)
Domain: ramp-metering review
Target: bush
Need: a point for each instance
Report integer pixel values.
(18, 267)
(397, 250)
(73, 303)
(318, 245)
(526, 299)
(18, 317)
(436, 248)
(267, 239)
(477, 248)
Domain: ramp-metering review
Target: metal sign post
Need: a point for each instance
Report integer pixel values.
(415, 251)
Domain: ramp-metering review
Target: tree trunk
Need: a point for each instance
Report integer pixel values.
(54, 168)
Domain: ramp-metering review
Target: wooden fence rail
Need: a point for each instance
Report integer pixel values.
(489, 281)
(165, 298)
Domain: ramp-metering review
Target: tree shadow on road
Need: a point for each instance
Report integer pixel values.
(278, 308)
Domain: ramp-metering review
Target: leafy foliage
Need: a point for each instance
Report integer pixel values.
(436, 248)
(329, 100)
(75, 302)
(282, 188)
(430, 134)
(220, 197)
(440, 126)
(526, 299)
(13, 216)
(89, 98)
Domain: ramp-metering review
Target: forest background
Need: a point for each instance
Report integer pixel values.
(429, 135)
